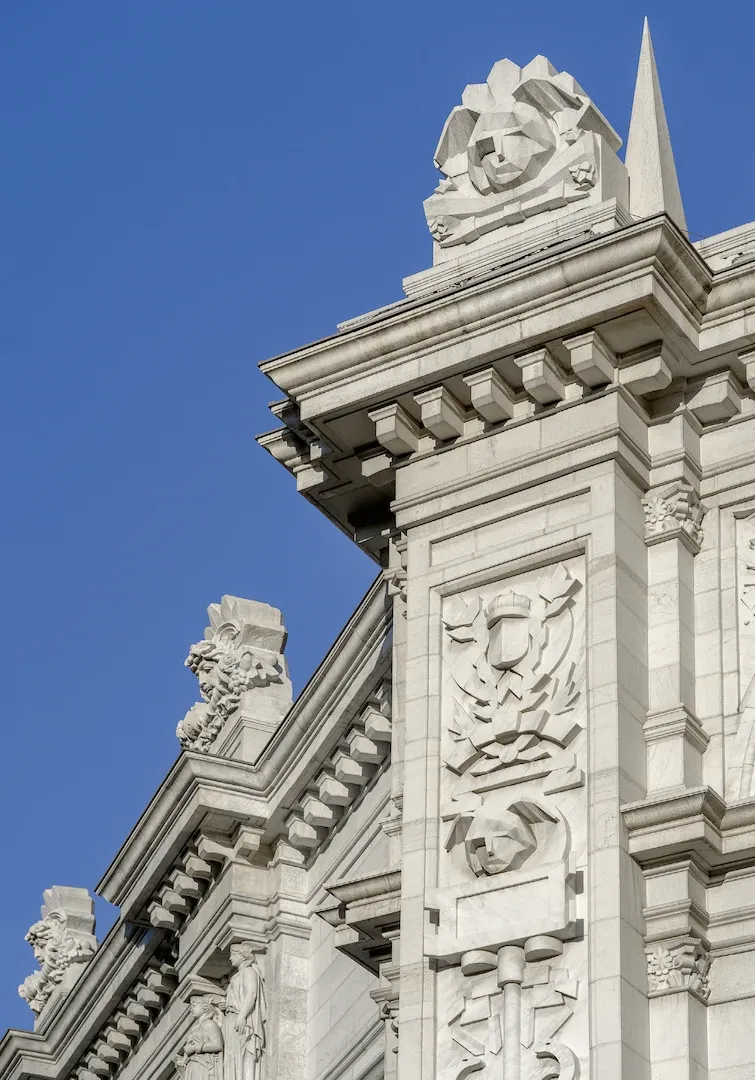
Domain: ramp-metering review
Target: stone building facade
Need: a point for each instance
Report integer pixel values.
(508, 828)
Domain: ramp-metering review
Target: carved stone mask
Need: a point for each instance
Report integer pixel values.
(509, 145)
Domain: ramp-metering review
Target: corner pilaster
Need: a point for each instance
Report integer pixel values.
(288, 965)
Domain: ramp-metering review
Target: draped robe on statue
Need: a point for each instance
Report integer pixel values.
(196, 1062)
(242, 1059)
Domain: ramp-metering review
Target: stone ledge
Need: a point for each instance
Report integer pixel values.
(695, 823)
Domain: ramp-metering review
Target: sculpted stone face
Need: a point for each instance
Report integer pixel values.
(507, 146)
(527, 141)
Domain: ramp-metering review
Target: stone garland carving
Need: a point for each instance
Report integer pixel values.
(516, 682)
(680, 965)
(526, 141)
(201, 1057)
(676, 507)
(226, 666)
(513, 1004)
(56, 949)
(245, 1016)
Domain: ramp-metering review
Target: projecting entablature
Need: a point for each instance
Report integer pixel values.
(504, 349)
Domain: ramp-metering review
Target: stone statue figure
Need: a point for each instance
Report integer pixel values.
(245, 1016)
(202, 1055)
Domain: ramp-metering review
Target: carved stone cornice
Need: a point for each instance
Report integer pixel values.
(240, 793)
(71, 1025)
(198, 784)
(697, 824)
(366, 917)
(701, 802)
(388, 342)
(424, 345)
(667, 723)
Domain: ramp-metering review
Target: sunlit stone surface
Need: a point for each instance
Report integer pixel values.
(508, 829)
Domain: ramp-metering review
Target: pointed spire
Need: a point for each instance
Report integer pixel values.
(653, 185)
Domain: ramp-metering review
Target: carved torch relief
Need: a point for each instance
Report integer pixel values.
(506, 936)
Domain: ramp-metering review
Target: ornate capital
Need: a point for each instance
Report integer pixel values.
(681, 964)
(674, 510)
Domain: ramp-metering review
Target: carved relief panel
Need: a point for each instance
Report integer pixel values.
(505, 927)
(741, 771)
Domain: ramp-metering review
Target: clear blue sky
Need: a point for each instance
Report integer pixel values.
(187, 188)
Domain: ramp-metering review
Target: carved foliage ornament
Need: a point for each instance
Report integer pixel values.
(226, 666)
(674, 508)
(55, 949)
(679, 965)
(526, 141)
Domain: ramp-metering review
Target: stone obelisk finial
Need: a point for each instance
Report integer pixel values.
(653, 184)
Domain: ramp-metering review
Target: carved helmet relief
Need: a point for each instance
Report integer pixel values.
(516, 681)
(526, 141)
